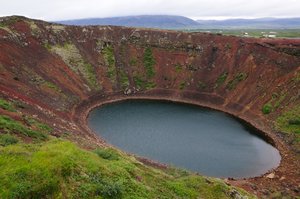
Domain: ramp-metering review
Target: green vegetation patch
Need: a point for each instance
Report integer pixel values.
(143, 84)
(182, 85)
(37, 125)
(274, 103)
(52, 86)
(267, 108)
(109, 57)
(124, 80)
(150, 85)
(133, 62)
(6, 105)
(108, 154)
(221, 79)
(72, 57)
(178, 68)
(236, 79)
(149, 62)
(201, 85)
(7, 139)
(8, 125)
(289, 121)
(59, 169)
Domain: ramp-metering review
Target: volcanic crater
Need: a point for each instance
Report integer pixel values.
(59, 73)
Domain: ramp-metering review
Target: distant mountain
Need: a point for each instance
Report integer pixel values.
(150, 21)
(180, 22)
(260, 23)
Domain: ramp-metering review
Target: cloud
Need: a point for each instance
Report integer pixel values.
(70, 9)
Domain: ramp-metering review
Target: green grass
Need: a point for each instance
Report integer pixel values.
(274, 103)
(143, 84)
(221, 79)
(236, 79)
(52, 86)
(7, 139)
(8, 125)
(108, 154)
(38, 125)
(149, 62)
(139, 82)
(91, 75)
(109, 57)
(59, 169)
(289, 121)
(6, 105)
(150, 85)
(124, 79)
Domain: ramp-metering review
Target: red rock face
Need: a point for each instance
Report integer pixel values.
(252, 69)
(60, 72)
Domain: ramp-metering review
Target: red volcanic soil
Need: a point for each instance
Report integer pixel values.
(60, 72)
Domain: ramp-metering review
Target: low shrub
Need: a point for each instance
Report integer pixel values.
(267, 108)
(7, 139)
(108, 154)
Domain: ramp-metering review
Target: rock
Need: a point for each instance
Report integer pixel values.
(135, 35)
(282, 178)
(128, 91)
(271, 176)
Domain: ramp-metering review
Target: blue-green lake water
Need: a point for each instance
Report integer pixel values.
(209, 142)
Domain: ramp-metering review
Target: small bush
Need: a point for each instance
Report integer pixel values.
(7, 139)
(178, 68)
(108, 154)
(112, 190)
(182, 85)
(294, 121)
(267, 108)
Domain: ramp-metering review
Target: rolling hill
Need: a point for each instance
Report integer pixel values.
(180, 22)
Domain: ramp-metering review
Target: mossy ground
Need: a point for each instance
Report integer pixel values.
(72, 57)
(60, 169)
(109, 57)
(289, 122)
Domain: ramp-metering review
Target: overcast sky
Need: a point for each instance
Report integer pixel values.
(196, 9)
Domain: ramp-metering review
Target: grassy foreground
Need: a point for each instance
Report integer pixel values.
(60, 169)
(49, 167)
